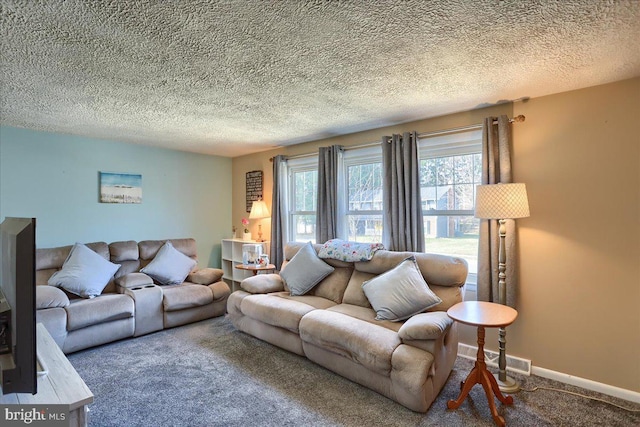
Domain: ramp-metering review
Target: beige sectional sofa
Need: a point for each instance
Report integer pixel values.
(131, 304)
(334, 324)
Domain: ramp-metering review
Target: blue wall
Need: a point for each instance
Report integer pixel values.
(54, 178)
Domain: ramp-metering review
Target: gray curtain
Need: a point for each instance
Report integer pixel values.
(496, 168)
(278, 213)
(403, 228)
(327, 204)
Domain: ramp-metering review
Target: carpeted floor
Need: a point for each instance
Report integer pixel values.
(209, 374)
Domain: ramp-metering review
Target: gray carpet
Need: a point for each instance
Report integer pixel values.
(209, 374)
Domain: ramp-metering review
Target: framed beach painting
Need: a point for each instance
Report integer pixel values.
(120, 187)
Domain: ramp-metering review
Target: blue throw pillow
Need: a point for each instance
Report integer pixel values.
(169, 266)
(400, 292)
(84, 272)
(304, 271)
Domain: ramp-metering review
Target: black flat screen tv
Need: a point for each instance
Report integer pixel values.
(18, 305)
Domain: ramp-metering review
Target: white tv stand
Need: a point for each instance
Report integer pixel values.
(60, 384)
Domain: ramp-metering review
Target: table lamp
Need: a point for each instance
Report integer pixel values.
(501, 202)
(258, 211)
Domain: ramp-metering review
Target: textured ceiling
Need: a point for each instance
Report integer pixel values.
(234, 77)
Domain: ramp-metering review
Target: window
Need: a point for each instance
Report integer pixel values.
(303, 190)
(450, 169)
(363, 210)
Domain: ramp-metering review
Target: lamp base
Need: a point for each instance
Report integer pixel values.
(509, 385)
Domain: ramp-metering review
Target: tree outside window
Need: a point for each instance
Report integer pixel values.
(447, 185)
(364, 199)
(303, 214)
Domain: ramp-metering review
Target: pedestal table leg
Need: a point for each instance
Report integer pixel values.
(480, 375)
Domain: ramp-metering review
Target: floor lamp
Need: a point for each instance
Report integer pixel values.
(258, 211)
(501, 202)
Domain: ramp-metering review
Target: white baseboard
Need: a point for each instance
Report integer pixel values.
(518, 365)
(609, 390)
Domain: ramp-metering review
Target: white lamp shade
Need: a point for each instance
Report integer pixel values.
(501, 201)
(259, 210)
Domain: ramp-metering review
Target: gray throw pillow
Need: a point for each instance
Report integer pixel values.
(400, 292)
(304, 271)
(84, 272)
(169, 266)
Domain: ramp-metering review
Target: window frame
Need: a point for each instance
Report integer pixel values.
(302, 164)
(460, 143)
(355, 157)
(431, 146)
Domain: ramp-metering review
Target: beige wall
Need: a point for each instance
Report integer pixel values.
(579, 154)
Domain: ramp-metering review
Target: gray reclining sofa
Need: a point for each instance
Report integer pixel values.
(131, 304)
(334, 324)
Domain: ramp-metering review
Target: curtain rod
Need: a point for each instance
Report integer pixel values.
(516, 119)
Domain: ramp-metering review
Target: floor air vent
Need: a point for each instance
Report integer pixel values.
(514, 364)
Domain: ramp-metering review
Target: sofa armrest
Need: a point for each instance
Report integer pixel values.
(205, 276)
(50, 297)
(133, 280)
(263, 284)
(425, 326)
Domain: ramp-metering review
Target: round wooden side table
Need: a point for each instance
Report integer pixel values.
(483, 315)
(255, 268)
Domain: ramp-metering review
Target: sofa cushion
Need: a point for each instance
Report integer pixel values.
(185, 295)
(149, 248)
(169, 266)
(127, 255)
(450, 296)
(365, 343)
(50, 297)
(354, 293)
(235, 301)
(84, 272)
(365, 313)
(124, 251)
(133, 280)
(263, 283)
(304, 271)
(220, 290)
(104, 308)
(441, 270)
(274, 310)
(333, 286)
(205, 276)
(312, 300)
(47, 258)
(400, 292)
(425, 326)
(43, 276)
(54, 257)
